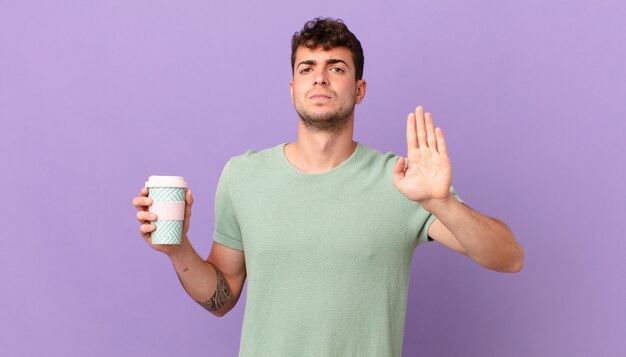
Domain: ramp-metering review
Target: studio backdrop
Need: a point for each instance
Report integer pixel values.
(95, 96)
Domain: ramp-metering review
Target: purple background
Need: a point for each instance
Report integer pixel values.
(97, 96)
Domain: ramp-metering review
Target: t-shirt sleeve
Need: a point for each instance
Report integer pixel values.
(419, 220)
(227, 231)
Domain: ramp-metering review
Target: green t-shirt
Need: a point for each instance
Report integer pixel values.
(327, 255)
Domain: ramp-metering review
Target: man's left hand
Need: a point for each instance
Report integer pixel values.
(428, 174)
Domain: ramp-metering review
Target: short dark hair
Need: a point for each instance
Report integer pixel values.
(328, 33)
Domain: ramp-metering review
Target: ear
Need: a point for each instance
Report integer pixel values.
(361, 88)
(291, 90)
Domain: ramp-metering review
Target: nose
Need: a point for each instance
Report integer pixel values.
(320, 78)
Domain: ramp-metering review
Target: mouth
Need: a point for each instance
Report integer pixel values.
(320, 97)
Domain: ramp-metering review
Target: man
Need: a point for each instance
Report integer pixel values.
(324, 228)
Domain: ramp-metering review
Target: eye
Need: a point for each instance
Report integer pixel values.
(306, 70)
(337, 69)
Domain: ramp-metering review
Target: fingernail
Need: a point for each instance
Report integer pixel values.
(153, 216)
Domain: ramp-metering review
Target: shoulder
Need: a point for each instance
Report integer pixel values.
(374, 158)
(253, 159)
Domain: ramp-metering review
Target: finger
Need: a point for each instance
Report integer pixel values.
(144, 216)
(411, 135)
(146, 228)
(441, 142)
(142, 201)
(430, 132)
(421, 130)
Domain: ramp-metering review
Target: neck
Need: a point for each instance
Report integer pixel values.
(317, 152)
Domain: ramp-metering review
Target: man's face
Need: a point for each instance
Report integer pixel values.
(324, 89)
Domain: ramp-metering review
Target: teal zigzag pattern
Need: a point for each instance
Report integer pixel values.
(167, 232)
(166, 194)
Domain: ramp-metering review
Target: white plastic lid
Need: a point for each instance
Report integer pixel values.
(166, 181)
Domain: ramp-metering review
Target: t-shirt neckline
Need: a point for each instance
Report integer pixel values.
(342, 166)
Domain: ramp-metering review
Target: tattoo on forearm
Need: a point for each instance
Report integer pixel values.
(221, 296)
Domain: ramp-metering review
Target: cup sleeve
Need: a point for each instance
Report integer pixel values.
(227, 230)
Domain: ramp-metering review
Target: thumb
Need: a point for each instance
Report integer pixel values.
(188, 198)
(398, 169)
(188, 203)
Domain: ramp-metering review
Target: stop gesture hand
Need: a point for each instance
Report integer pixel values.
(428, 173)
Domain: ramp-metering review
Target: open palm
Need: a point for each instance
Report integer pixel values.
(428, 172)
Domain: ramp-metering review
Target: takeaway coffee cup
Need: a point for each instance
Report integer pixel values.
(168, 203)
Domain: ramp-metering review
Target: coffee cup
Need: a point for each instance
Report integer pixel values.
(168, 203)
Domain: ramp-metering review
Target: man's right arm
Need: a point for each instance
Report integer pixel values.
(214, 284)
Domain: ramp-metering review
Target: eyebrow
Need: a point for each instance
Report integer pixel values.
(328, 61)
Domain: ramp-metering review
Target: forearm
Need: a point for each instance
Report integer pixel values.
(486, 240)
(203, 282)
